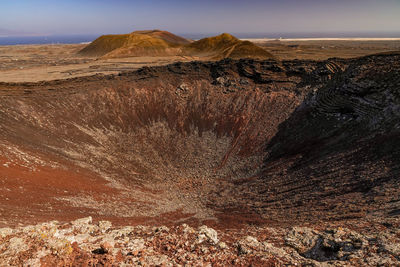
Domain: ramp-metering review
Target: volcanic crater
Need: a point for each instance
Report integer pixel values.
(227, 142)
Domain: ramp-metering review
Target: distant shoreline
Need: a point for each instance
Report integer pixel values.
(317, 39)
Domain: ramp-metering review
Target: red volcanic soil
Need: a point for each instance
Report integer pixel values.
(228, 143)
(30, 193)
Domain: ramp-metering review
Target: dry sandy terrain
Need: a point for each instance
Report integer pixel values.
(327, 48)
(32, 63)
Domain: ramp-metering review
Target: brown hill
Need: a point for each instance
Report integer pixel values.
(144, 45)
(246, 49)
(213, 44)
(138, 43)
(163, 43)
(224, 46)
(105, 44)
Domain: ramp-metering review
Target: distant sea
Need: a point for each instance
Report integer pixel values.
(54, 39)
(77, 39)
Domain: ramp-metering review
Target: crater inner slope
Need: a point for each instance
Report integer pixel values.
(232, 141)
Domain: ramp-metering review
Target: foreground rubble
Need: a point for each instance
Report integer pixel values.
(85, 243)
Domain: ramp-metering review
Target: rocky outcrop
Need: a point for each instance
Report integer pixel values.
(85, 243)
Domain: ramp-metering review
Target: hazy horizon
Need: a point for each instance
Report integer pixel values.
(45, 17)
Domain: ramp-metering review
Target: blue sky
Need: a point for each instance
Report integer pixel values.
(206, 16)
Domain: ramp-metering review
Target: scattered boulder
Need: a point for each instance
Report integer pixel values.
(4, 232)
(104, 225)
(247, 244)
(122, 232)
(136, 244)
(187, 229)
(17, 245)
(220, 81)
(107, 246)
(161, 229)
(84, 225)
(207, 234)
(222, 245)
(82, 221)
(251, 241)
(302, 239)
(242, 250)
(325, 246)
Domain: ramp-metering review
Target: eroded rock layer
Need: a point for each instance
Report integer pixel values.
(337, 156)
